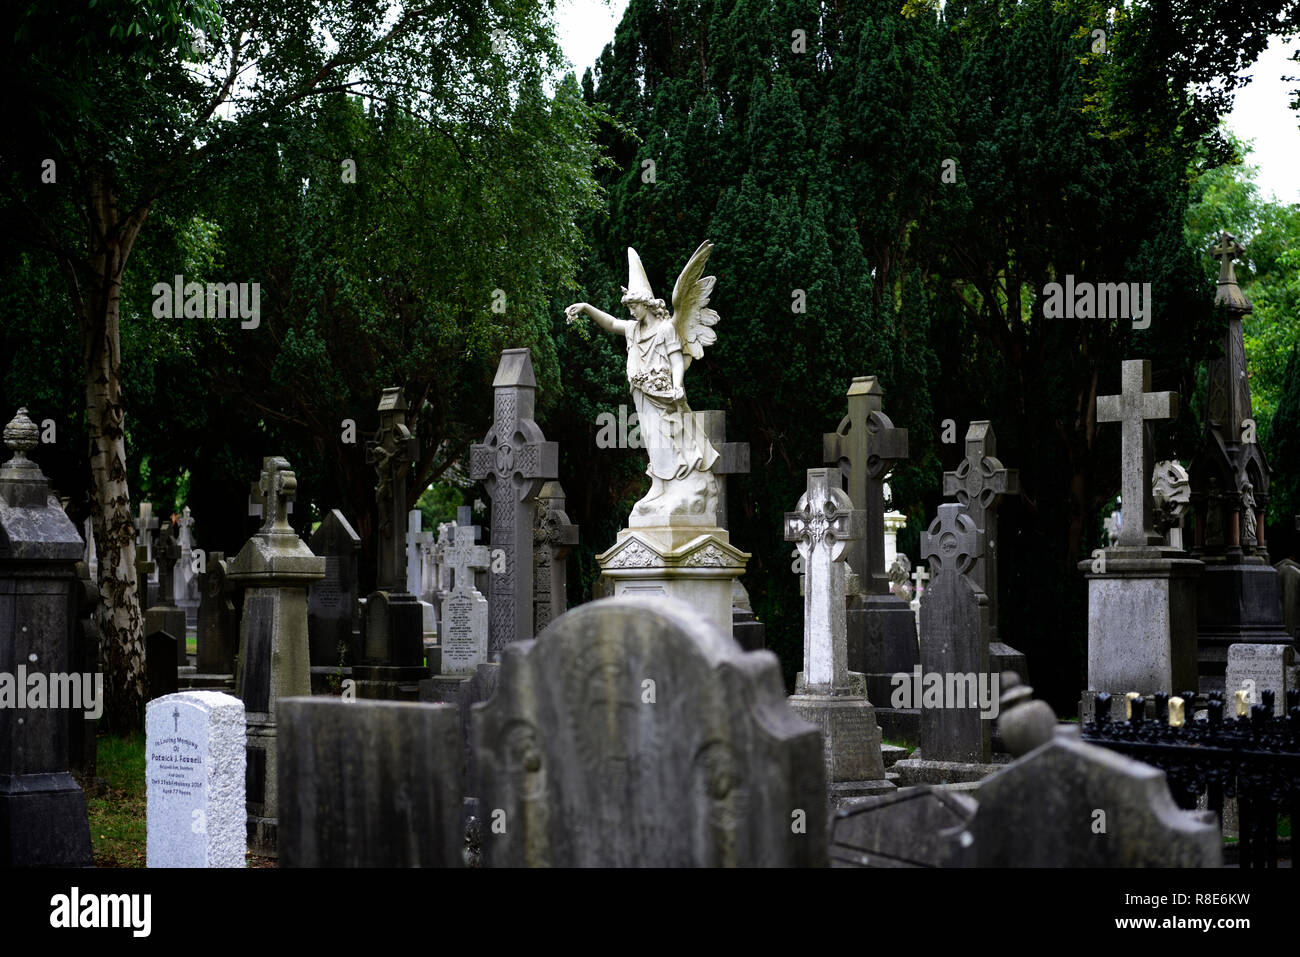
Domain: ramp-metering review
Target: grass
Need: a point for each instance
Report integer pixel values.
(117, 807)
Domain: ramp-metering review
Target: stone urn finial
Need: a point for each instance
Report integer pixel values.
(21, 435)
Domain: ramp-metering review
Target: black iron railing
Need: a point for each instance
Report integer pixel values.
(1253, 757)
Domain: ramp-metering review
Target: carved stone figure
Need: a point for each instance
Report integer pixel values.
(660, 347)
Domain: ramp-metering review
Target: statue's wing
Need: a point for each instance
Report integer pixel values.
(691, 316)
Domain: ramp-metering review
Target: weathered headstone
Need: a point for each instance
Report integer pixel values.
(956, 726)
(635, 732)
(978, 484)
(370, 784)
(43, 819)
(332, 620)
(160, 664)
(464, 611)
(913, 827)
(881, 626)
(218, 640)
(823, 526)
(393, 655)
(1256, 668)
(553, 536)
(165, 615)
(1238, 598)
(275, 567)
(1042, 811)
(1141, 593)
(194, 774)
(513, 461)
(1288, 576)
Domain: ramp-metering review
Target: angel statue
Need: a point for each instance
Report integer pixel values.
(660, 347)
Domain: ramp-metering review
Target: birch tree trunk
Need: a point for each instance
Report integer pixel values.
(118, 616)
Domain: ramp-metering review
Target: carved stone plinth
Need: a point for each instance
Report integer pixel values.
(695, 564)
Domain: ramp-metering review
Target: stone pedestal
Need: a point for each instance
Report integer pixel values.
(695, 564)
(1236, 603)
(43, 819)
(1142, 614)
(850, 740)
(275, 567)
(882, 636)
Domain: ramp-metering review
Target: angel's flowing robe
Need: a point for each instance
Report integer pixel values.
(676, 443)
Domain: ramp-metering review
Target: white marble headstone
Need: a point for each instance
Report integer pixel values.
(194, 773)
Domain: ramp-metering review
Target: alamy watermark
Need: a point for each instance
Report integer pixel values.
(1092, 300)
(215, 300)
(952, 689)
(37, 691)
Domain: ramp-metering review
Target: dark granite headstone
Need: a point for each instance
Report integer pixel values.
(218, 639)
(331, 602)
(160, 664)
(43, 819)
(369, 784)
(954, 637)
(634, 732)
(166, 615)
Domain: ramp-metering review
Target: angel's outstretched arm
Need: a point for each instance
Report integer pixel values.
(602, 319)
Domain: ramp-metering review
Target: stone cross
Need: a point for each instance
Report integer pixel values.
(255, 501)
(733, 457)
(415, 538)
(920, 576)
(513, 461)
(278, 486)
(865, 447)
(391, 453)
(822, 527)
(462, 557)
(953, 543)
(169, 553)
(552, 537)
(978, 485)
(146, 524)
(1134, 407)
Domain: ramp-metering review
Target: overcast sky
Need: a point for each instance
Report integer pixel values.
(1260, 111)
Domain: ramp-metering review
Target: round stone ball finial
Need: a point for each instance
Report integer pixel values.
(1025, 723)
(21, 435)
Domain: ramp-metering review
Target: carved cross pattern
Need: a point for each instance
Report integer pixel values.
(1226, 250)
(822, 527)
(512, 462)
(978, 484)
(1134, 407)
(278, 487)
(865, 447)
(462, 557)
(415, 540)
(952, 543)
(981, 480)
(822, 516)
